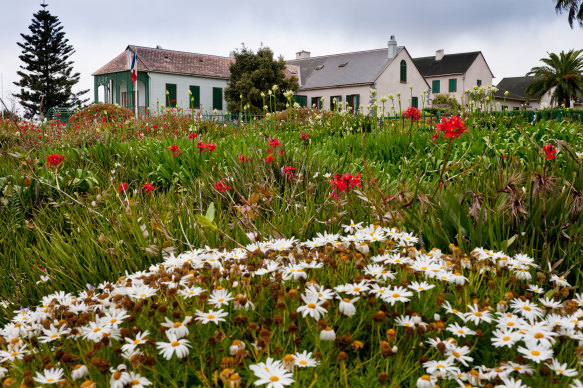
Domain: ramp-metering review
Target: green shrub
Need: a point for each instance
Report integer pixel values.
(444, 99)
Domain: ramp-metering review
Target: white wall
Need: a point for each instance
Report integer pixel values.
(389, 82)
(363, 91)
(158, 83)
(478, 70)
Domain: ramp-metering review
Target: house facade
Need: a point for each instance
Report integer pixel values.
(346, 80)
(166, 78)
(511, 95)
(453, 74)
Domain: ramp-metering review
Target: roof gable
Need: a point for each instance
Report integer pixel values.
(449, 64)
(169, 61)
(356, 68)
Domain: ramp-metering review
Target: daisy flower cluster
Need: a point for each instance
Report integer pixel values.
(364, 305)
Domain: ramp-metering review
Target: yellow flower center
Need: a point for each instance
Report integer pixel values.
(274, 378)
(210, 316)
(175, 344)
(357, 289)
(177, 324)
(136, 342)
(395, 295)
(478, 314)
(96, 329)
(50, 380)
(539, 335)
(135, 382)
(54, 336)
(527, 308)
(506, 338)
(221, 300)
(535, 353)
(346, 300)
(311, 305)
(456, 354)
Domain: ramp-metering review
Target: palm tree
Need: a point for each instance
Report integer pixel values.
(573, 7)
(562, 77)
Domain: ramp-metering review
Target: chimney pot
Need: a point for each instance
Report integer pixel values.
(439, 54)
(392, 48)
(303, 54)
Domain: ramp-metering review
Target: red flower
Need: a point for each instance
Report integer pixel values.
(345, 182)
(192, 135)
(305, 137)
(452, 128)
(122, 187)
(211, 147)
(201, 146)
(269, 159)
(274, 142)
(27, 181)
(54, 160)
(147, 187)
(412, 113)
(289, 171)
(242, 158)
(221, 186)
(550, 152)
(504, 156)
(175, 150)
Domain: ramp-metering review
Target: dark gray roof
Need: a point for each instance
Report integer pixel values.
(449, 64)
(515, 86)
(357, 68)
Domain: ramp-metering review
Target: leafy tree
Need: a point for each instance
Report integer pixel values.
(574, 10)
(562, 76)
(256, 73)
(47, 73)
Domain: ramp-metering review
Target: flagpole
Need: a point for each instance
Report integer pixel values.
(136, 85)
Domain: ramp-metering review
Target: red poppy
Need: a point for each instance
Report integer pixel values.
(147, 187)
(412, 113)
(550, 152)
(122, 187)
(452, 128)
(54, 160)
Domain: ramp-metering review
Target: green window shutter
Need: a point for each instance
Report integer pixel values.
(218, 98)
(356, 102)
(301, 100)
(349, 101)
(415, 102)
(171, 95)
(331, 102)
(435, 86)
(315, 101)
(194, 97)
(479, 82)
(453, 85)
(403, 71)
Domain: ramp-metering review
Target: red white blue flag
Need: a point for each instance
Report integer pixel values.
(134, 68)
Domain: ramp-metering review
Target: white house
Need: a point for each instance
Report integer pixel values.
(349, 77)
(165, 78)
(453, 74)
(511, 95)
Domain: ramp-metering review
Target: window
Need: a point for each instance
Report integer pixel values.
(403, 71)
(171, 95)
(353, 101)
(335, 102)
(194, 97)
(516, 108)
(453, 85)
(479, 82)
(415, 102)
(435, 86)
(317, 102)
(124, 99)
(218, 98)
(301, 100)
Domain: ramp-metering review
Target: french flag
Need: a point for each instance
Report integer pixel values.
(134, 68)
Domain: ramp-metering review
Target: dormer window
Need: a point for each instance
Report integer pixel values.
(319, 67)
(343, 64)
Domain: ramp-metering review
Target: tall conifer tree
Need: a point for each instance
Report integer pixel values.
(47, 73)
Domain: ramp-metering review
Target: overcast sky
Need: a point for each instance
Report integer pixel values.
(512, 34)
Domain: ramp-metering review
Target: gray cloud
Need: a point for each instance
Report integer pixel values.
(513, 35)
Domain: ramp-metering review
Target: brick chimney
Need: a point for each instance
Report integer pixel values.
(392, 48)
(303, 54)
(439, 54)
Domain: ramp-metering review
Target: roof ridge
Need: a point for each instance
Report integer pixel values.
(339, 54)
(179, 51)
(445, 55)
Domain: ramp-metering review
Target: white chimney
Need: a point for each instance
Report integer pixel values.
(439, 55)
(392, 51)
(303, 54)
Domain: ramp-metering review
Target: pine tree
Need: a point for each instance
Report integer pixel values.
(47, 73)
